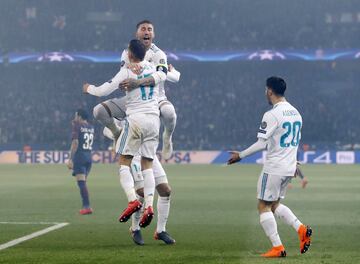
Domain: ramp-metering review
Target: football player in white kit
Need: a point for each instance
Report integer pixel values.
(279, 133)
(105, 112)
(115, 108)
(141, 131)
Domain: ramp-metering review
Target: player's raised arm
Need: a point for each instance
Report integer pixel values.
(173, 75)
(108, 87)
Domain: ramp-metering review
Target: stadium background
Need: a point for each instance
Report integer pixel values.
(224, 51)
(219, 100)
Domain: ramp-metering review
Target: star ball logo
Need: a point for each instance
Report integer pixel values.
(266, 55)
(55, 57)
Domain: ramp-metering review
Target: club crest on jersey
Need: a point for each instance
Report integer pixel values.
(162, 61)
(263, 125)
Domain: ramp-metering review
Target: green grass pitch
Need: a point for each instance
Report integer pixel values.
(213, 216)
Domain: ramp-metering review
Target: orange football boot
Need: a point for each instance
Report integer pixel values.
(275, 252)
(304, 233)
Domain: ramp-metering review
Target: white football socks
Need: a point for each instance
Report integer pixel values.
(149, 187)
(163, 208)
(268, 223)
(127, 182)
(135, 218)
(283, 212)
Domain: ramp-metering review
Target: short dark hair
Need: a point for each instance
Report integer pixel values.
(276, 84)
(145, 21)
(137, 48)
(83, 114)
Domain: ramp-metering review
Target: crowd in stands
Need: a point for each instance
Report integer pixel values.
(219, 105)
(180, 26)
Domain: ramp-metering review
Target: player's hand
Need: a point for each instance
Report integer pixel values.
(129, 84)
(235, 157)
(170, 67)
(70, 165)
(135, 68)
(85, 88)
(304, 182)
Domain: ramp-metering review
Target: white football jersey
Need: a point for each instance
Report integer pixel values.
(155, 56)
(145, 98)
(281, 127)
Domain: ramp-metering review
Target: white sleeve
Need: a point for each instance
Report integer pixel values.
(124, 57)
(160, 62)
(173, 76)
(268, 125)
(257, 146)
(110, 86)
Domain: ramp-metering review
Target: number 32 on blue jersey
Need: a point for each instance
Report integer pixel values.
(293, 133)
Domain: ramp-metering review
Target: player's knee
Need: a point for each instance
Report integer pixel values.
(168, 113)
(80, 177)
(102, 114)
(275, 205)
(264, 206)
(97, 111)
(125, 160)
(164, 189)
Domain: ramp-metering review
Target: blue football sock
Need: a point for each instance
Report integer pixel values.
(84, 194)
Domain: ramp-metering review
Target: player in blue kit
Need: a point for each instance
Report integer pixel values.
(80, 155)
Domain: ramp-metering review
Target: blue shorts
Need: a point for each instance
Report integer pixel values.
(81, 166)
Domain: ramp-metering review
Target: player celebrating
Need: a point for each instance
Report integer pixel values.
(105, 112)
(80, 155)
(141, 132)
(279, 133)
(115, 108)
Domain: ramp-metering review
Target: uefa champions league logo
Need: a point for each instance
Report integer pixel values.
(55, 57)
(266, 55)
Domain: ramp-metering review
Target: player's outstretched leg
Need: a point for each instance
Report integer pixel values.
(168, 118)
(304, 232)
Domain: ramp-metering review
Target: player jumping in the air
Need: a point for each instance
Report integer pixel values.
(80, 155)
(141, 131)
(279, 133)
(116, 108)
(105, 112)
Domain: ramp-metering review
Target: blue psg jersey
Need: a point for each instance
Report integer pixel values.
(84, 133)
